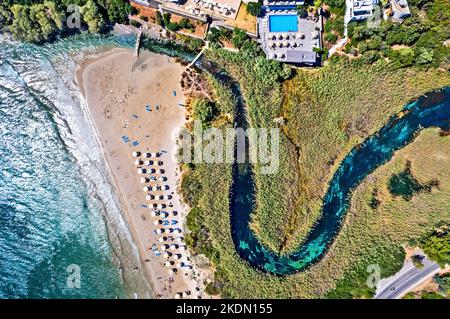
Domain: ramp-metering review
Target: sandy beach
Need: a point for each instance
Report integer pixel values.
(136, 105)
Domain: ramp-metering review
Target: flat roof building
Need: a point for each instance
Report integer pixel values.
(361, 9)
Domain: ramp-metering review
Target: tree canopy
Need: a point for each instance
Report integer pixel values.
(41, 20)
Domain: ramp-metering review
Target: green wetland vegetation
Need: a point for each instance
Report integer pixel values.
(323, 113)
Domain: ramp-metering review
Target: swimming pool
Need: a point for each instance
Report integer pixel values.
(283, 23)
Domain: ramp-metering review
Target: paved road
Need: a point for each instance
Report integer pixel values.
(406, 279)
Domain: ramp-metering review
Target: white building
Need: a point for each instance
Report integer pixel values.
(399, 10)
(361, 9)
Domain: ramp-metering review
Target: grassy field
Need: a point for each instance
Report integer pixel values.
(326, 112)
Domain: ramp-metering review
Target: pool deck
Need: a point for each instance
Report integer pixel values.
(292, 47)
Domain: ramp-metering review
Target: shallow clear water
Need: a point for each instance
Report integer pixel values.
(432, 110)
(57, 206)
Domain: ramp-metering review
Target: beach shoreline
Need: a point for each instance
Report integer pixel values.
(119, 89)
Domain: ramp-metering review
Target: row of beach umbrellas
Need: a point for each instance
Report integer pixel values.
(169, 235)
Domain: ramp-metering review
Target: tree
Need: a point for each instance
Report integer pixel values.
(302, 12)
(35, 23)
(424, 56)
(437, 246)
(92, 17)
(417, 261)
(159, 18)
(239, 37)
(204, 111)
(444, 283)
(118, 10)
(255, 8)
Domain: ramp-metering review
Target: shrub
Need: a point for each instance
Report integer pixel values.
(135, 23)
(331, 37)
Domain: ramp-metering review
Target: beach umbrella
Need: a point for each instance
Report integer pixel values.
(167, 254)
(144, 180)
(172, 271)
(149, 197)
(182, 247)
(156, 222)
(177, 295)
(162, 239)
(176, 256)
(149, 162)
(136, 154)
(154, 213)
(179, 239)
(161, 206)
(285, 43)
(164, 214)
(173, 247)
(141, 170)
(160, 231)
(164, 247)
(146, 155)
(138, 162)
(184, 294)
(280, 36)
(177, 230)
(160, 171)
(169, 263)
(280, 44)
(294, 44)
(181, 265)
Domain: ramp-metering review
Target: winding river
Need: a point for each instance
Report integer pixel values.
(432, 110)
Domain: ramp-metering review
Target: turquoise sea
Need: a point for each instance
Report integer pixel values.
(58, 210)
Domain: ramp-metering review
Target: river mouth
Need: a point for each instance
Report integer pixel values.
(431, 110)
